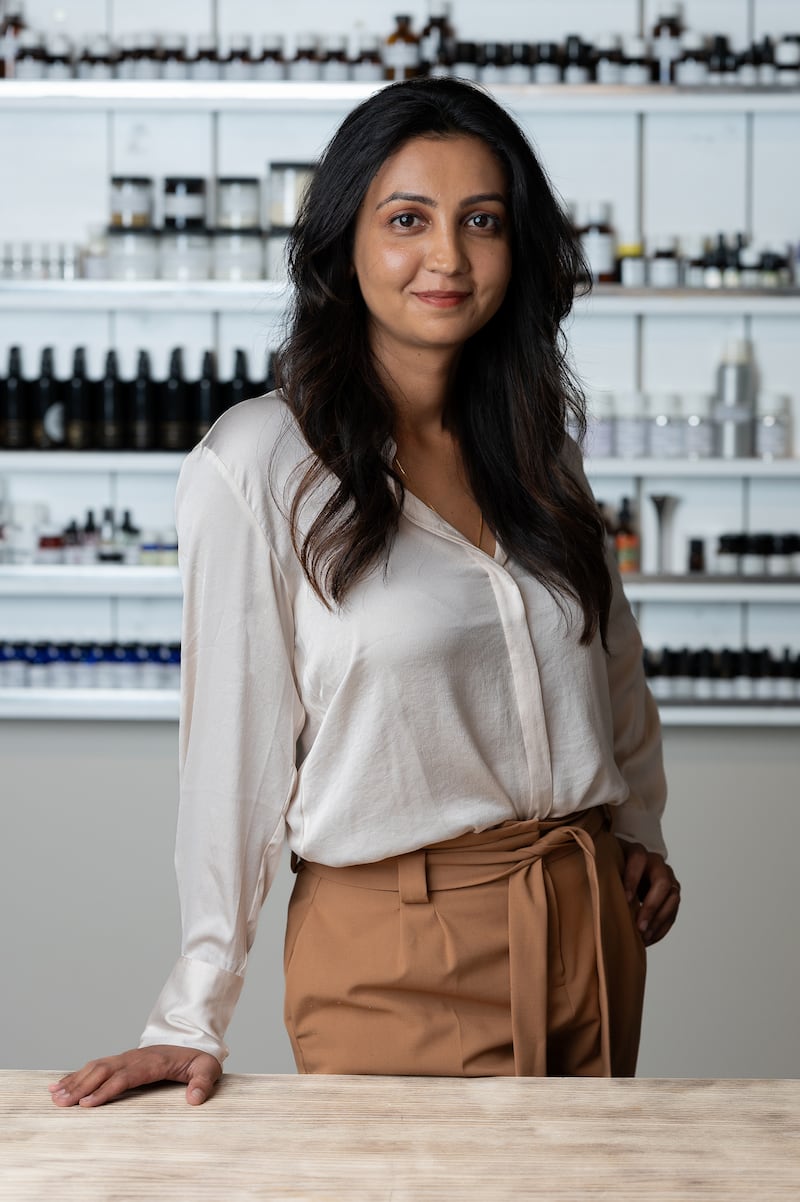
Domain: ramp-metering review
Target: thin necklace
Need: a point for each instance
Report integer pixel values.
(435, 510)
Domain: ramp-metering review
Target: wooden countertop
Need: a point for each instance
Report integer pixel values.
(407, 1139)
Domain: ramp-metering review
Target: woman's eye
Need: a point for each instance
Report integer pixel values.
(485, 221)
(405, 221)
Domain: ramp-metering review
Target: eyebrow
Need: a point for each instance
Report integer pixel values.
(415, 198)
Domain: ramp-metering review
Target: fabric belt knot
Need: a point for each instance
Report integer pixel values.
(518, 851)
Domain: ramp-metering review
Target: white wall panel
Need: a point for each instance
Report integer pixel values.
(603, 351)
(774, 627)
(32, 330)
(55, 182)
(695, 174)
(75, 17)
(151, 619)
(163, 16)
(681, 354)
(693, 626)
(590, 158)
(776, 177)
(56, 618)
(532, 20)
(776, 17)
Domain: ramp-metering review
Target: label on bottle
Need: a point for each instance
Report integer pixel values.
(631, 437)
(691, 73)
(367, 72)
(175, 69)
(401, 56)
(772, 437)
(635, 74)
(204, 68)
(546, 73)
(627, 552)
(699, 438)
(334, 71)
(632, 272)
(598, 247)
(269, 69)
(303, 70)
(666, 438)
(664, 272)
(608, 71)
(575, 74)
(53, 422)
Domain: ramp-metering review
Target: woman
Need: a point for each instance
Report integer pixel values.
(404, 651)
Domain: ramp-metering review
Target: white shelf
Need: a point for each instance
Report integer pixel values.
(270, 298)
(91, 580)
(115, 705)
(131, 462)
(337, 98)
(265, 297)
(614, 300)
(733, 715)
(160, 705)
(698, 468)
(731, 590)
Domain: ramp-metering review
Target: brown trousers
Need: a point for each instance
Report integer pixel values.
(510, 952)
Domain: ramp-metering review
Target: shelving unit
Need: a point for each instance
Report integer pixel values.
(129, 304)
(227, 96)
(268, 297)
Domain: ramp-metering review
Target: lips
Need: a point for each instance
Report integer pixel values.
(442, 300)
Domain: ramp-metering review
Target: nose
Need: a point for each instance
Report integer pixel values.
(446, 254)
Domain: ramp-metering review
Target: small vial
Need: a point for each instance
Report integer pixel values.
(334, 66)
(174, 63)
(236, 61)
(305, 66)
(691, 67)
(773, 427)
(630, 425)
(494, 60)
(632, 265)
(577, 61)
(637, 65)
(664, 265)
(519, 68)
(547, 65)
(607, 59)
(201, 59)
(465, 61)
(598, 242)
(269, 62)
(401, 51)
(368, 65)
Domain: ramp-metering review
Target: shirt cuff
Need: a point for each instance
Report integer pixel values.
(194, 1008)
(632, 822)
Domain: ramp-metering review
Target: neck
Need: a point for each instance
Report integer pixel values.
(420, 384)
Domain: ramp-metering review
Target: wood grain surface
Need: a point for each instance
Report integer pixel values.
(407, 1139)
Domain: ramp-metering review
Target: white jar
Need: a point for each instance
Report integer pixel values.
(666, 426)
(630, 425)
(238, 255)
(132, 254)
(185, 254)
(238, 203)
(699, 429)
(287, 185)
(773, 427)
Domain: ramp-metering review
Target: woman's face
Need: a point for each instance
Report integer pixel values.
(432, 245)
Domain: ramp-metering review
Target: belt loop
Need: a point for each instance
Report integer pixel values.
(411, 877)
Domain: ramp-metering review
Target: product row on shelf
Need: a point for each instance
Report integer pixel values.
(735, 421)
(667, 261)
(668, 53)
(89, 665)
(28, 535)
(76, 413)
(680, 675)
(684, 675)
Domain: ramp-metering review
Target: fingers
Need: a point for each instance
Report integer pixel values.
(660, 906)
(100, 1081)
(635, 865)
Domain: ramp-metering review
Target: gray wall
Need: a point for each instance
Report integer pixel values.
(90, 917)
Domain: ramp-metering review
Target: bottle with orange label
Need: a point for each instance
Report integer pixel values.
(626, 539)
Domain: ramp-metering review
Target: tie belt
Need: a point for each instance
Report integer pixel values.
(517, 851)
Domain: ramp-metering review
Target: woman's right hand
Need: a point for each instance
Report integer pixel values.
(101, 1080)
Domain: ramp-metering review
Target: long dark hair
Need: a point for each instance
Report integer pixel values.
(514, 385)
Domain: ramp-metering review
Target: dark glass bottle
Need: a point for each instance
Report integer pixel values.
(14, 415)
(172, 426)
(109, 425)
(204, 405)
(78, 405)
(238, 387)
(438, 35)
(48, 406)
(141, 407)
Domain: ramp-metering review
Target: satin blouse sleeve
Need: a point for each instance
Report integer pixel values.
(638, 751)
(240, 716)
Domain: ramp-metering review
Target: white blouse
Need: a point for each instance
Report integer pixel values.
(450, 693)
